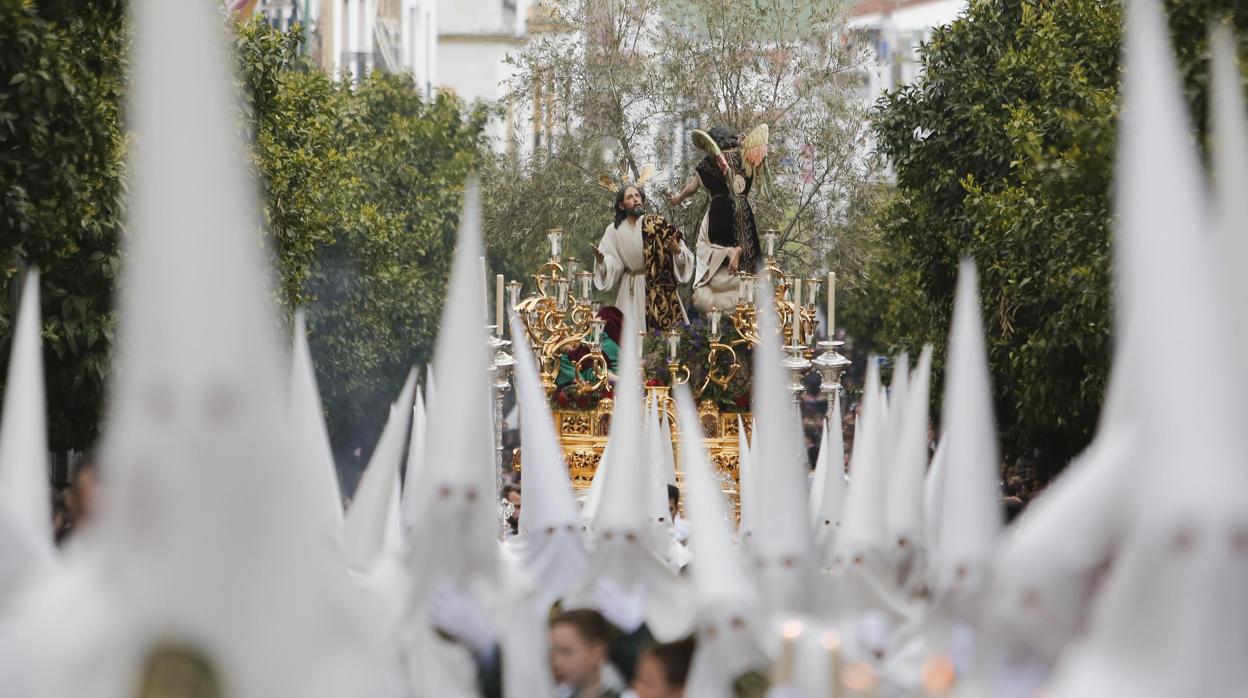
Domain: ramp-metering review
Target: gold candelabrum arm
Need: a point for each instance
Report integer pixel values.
(713, 375)
(675, 371)
(743, 322)
(551, 320)
(581, 315)
(602, 371)
(810, 321)
(550, 371)
(552, 331)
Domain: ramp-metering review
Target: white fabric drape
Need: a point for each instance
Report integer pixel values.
(713, 283)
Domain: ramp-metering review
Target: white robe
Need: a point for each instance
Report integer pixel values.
(713, 284)
(624, 263)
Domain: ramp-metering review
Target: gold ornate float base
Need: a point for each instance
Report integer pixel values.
(583, 434)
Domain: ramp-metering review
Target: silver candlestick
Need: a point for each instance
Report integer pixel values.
(501, 364)
(798, 365)
(830, 365)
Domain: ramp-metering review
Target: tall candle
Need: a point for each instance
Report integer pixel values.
(832, 645)
(499, 320)
(586, 278)
(797, 312)
(782, 672)
(831, 305)
(513, 293)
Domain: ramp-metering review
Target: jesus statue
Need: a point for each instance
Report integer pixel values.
(646, 256)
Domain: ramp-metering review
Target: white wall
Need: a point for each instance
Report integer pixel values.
(474, 38)
(420, 42)
(897, 36)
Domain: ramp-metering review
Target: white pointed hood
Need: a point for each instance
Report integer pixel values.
(895, 400)
(627, 490)
(628, 548)
(669, 453)
(1229, 153)
(201, 545)
(718, 576)
(1179, 565)
(862, 537)
(309, 435)
(456, 533)
(553, 549)
(546, 498)
(593, 497)
(431, 395)
(933, 494)
(727, 603)
(372, 523)
(864, 565)
(903, 515)
(1053, 560)
(817, 475)
(656, 487)
(755, 458)
(415, 462)
(25, 495)
(971, 516)
(782, 546)
(746, 492)
(829, 509)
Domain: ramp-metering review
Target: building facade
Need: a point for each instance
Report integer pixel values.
(456, 45)
(892, 30)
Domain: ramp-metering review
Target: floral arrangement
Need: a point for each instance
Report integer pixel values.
(694, 353)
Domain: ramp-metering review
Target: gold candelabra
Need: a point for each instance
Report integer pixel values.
(559, 317)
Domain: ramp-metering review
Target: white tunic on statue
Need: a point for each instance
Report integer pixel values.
(713, 284)
(624, 263)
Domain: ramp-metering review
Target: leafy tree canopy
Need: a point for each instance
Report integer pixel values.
(362, 191)
(619, 81)
(361, 199)
(61, 191)
(1004, 152)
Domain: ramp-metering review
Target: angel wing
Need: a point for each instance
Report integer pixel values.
(703, 141)
(754, 148)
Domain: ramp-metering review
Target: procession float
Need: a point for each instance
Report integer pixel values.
(711, 354)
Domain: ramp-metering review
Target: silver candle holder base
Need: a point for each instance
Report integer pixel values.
(831, 365)
(798, 366)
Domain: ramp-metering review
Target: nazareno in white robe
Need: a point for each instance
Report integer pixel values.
(624, 263)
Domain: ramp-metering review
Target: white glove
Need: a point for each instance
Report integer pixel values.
(874, 631)
(680, 530)
(453, 611)
(625, 608)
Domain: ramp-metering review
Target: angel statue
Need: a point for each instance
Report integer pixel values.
(728, 236)
(645, 254)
